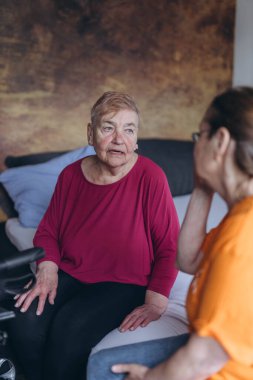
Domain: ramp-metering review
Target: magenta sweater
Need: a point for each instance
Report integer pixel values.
(122, 232)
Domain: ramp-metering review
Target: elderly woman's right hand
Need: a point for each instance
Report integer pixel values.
(45, 287)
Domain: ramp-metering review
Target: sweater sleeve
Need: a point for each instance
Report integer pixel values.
(47, 234)
(164, 226)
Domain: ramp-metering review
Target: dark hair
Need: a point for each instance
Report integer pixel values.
(233, 109)
(110, 102)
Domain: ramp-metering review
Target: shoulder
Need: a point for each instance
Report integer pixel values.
(239, 221)
(71, 170)
(234, 234)
(151, 169)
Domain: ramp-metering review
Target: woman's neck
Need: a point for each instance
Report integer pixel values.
(99, 173)
(237, 189)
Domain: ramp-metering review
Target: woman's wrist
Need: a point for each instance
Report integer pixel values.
(48, 265)
(157, 300)
(203, 192)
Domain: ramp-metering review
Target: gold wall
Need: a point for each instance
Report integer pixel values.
(59, 56)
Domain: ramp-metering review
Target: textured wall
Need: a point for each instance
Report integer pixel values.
(59, 56)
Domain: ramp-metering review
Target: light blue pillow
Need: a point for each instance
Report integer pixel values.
(31, 186)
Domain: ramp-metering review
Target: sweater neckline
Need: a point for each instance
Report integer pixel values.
(132, 170)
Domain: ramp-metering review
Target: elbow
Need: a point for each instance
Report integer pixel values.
(185, 266)
(206, 355)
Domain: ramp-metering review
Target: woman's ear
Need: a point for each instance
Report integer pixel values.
(222, 140)
(90, 134)
(136, 146)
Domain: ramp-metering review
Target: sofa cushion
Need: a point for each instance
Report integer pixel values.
(31, 186)
(21, 237)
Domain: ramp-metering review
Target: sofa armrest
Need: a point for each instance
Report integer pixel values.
(6, 204)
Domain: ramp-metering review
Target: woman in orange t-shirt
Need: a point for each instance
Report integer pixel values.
(219, 302)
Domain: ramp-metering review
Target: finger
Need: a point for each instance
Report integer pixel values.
(41, 304)
(21, 298)
(23, 295)
(134, 314)
(138, 310)
(28, 300)
(127, 323)
(146, 322)
(27, 285)
(52, 296)
(121, 368)
(136, 323)
(128, 318)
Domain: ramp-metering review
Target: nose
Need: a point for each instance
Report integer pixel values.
(117, 136)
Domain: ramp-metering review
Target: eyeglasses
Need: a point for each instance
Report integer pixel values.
(196, 135)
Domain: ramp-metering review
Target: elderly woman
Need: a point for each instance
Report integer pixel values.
(110, 236)
(219, 304)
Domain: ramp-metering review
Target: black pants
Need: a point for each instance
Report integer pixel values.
(56, 345)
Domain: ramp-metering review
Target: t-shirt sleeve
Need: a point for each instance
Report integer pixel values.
(164, 226)
(225, 309)
(46, 235)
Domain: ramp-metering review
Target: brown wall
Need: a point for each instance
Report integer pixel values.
(60, 56)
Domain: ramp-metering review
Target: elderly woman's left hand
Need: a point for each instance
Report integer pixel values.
(135, 371)
(154, 307)
(141, 316)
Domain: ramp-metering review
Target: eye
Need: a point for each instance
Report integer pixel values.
(129, 131)
(107, 128)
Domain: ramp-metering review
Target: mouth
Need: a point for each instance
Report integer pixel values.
(116, 152)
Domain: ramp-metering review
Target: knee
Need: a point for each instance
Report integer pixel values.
(93, 366)
(26, 330)
(99, 366)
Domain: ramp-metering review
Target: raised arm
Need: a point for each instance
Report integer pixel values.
(193, 230)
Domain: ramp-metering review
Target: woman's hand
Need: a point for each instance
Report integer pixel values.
(45, 287)
(199, 358)
(135, 371)
(141, 316)
(154, 307)
(202, 186)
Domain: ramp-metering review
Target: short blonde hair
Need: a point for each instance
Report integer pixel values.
(112, 102)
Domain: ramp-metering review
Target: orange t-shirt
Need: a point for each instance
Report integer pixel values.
(220, 299)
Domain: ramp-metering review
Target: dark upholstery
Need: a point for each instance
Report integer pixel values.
(30, 159)
(175, 157)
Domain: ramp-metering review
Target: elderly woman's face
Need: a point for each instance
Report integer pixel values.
(115, 138)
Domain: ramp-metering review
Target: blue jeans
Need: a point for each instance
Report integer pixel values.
(148, 353)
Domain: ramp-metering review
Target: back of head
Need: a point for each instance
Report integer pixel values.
(112, 102)
(233, 109)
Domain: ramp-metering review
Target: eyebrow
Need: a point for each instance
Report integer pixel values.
(114, 124)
